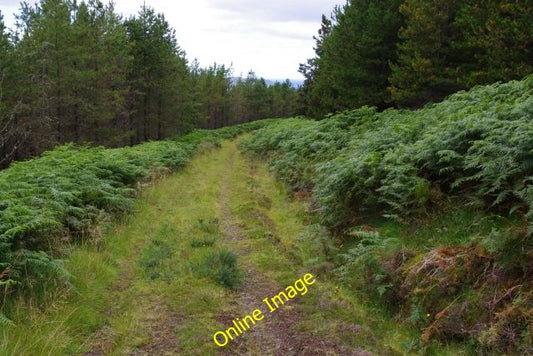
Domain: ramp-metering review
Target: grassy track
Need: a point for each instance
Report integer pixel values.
(146, 289)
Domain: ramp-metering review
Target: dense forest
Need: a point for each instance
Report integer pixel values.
(78, 72)
(405, 53)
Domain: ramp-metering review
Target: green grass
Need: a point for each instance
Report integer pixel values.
(117, 303)
(139, 282)
(139, 272)
(426, 210)
(282, 249)
(221, 267)
(154, 259)
(57, 259)
(204, 242)
(63, 197)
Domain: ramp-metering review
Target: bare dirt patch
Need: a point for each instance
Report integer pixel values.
(278, 333)
(160, 327)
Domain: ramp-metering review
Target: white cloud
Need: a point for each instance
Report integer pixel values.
(13, 3)
(276, 10)
(269, 36)
(8, 10)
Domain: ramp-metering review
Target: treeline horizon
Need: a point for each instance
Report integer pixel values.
(82, 73)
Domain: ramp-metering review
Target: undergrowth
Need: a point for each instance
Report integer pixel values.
(468, 158)
(64, 197)
(476, 144)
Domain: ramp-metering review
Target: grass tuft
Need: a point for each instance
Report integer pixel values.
(204, 242)
(154, 257)
(221, 267)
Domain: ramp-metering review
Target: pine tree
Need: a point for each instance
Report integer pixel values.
(284, 99)
(257, 97)
(159, 78)
(212, 88)
(77, 72)
(42, 61)
(501, 35)
(310, 94)
(100, 59)
(237, 102)
(432, 58)
(447, 46)
(8, 136)
(354, 52)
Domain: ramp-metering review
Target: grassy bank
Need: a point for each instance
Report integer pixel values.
(156, 283)
(432, 207)
(67, 196)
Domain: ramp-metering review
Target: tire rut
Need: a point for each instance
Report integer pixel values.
(277, 334)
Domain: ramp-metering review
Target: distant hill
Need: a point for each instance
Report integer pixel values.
(296, 83)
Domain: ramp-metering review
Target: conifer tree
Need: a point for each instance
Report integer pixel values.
(8, 129)
(501, 35)
(447, 46)
(159, 78)
(97, 74)
(43, 60)
(310, 92)
(75, 71)
(354, 51)
(432, 59)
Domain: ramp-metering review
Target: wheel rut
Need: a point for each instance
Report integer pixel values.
(277, 334)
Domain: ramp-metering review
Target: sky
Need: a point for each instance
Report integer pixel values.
(271, 37)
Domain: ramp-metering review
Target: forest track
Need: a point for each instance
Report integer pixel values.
(159, 304)
(147, 287)
(277, 335)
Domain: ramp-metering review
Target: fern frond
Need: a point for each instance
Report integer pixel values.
(5, 321)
